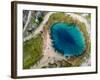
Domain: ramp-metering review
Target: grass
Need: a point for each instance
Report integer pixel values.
(32, 51)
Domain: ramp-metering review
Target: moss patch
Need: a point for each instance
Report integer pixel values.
(32, 51)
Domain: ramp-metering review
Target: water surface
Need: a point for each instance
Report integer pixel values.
(67, 39)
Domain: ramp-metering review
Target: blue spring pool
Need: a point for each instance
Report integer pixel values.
(67, 39)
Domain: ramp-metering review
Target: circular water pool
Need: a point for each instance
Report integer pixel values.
(67, 39)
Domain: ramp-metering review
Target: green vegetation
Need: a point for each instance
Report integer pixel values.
(61, 17)
(38, 22)
(40, 19)
(32, 51)
(88, 17)
(33, 21)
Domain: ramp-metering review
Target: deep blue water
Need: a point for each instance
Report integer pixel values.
(67, 39)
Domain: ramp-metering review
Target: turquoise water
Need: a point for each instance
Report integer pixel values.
(67, 39)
